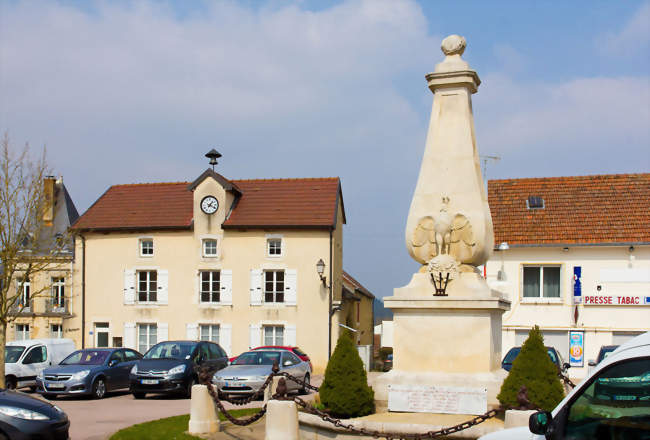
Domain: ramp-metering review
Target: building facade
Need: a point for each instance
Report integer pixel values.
(44, 304)
(228, 261)
(572, 254)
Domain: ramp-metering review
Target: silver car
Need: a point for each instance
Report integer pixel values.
(247, 373)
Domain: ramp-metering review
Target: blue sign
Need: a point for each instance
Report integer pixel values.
(577, 284)
(576, 348)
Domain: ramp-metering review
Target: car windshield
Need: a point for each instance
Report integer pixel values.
(258, 358)
(12, 353)
(511, 355)
(171, 350)
(86, 357)
(551, 354)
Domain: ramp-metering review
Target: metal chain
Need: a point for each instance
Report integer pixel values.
(205, 377)
(566, 380)
(397, 435)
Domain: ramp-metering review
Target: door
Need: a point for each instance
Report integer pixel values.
(290, 363)
(35, 361)
(102, 334)
(117, 373)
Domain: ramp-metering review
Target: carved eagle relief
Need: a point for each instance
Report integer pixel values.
(443, 234)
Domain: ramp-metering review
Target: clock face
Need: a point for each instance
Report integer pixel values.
(209, 204)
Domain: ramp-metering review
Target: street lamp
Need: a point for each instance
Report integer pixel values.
(320, 269)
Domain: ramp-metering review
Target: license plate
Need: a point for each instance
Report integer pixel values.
(234, 384)
(55, 386)
(149, 381)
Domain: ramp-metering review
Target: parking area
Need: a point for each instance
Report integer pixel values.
(98, 419)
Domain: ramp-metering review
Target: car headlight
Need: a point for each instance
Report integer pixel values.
(260, 378)
(21, 413)
(216, 378)
(177, 370)
(80, 374)
(134, 370)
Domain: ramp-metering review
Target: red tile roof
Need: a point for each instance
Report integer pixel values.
(348, 278)
(601, 209)
(310, 203)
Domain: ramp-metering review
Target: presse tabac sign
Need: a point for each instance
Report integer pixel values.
(604, 295)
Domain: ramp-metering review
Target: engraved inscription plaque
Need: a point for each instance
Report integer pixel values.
(437, 399)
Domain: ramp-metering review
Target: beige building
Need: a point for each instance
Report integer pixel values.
(229, 261)
(45, 298)
(576, 263)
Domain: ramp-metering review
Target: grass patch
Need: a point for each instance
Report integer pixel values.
(171, 428)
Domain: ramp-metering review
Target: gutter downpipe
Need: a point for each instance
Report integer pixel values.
(83, 291)
(329, 311)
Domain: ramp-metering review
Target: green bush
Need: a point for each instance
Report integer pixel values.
(345, 391)
(534, 369)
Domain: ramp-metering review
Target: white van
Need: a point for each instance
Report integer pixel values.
(613, 402)
(25, 359)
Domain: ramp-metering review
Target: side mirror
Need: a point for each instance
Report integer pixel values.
(591, 363)
(566, 366)
(286, 363)
(538, 422)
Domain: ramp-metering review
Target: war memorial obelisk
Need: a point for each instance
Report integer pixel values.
(447, 321)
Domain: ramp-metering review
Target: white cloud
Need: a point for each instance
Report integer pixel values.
(633, 39)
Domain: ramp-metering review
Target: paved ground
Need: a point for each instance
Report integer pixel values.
(98, 419)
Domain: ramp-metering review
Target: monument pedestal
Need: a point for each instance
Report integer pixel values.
(444, 341)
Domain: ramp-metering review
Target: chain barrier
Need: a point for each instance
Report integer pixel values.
(564, 378)
(205, 377)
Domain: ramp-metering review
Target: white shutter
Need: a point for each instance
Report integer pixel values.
(129, 286)
(193, 332)
(225, 337)
(226, 287)
(290, 335)
(163, 286)
(290, 286)
(256, 287)
(255, 336)
(162, 332)
(129, 340)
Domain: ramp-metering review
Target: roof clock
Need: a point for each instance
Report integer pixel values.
(209, 204)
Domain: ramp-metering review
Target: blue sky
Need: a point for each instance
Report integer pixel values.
(125, 92)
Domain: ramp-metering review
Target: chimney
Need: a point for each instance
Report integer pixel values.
(48, 193)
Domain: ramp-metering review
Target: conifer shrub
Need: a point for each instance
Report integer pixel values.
(534, 369)
(345, 391)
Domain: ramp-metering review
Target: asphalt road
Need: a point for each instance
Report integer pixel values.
(99, 419)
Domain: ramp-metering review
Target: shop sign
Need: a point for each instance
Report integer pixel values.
(576, 348)
(613, 299)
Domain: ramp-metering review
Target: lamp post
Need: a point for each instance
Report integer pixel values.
(320, 269)
(501, 275)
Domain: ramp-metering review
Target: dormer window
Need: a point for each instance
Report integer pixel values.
(146, 247)
(274, 247)
(535, 202)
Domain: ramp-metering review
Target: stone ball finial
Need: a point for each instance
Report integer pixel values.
(453, 45)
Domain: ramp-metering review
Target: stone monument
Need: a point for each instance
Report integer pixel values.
(447, 321)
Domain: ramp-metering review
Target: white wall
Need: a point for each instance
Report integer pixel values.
(609, 267)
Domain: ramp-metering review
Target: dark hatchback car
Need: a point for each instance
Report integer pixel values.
(172, 367)
(509, 358)
(91, 371)
(23, 417)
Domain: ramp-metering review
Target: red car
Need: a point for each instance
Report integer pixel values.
(295, 350)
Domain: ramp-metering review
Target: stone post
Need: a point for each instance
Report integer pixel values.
(281, 420)
(203, 414)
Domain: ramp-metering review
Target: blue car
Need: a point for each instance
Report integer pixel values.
(91, 371)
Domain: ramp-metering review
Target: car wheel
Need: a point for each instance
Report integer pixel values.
(188, 390)
(49, 396)
(99, 389)
(11, 383)
(304, 389)
(137, 395)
